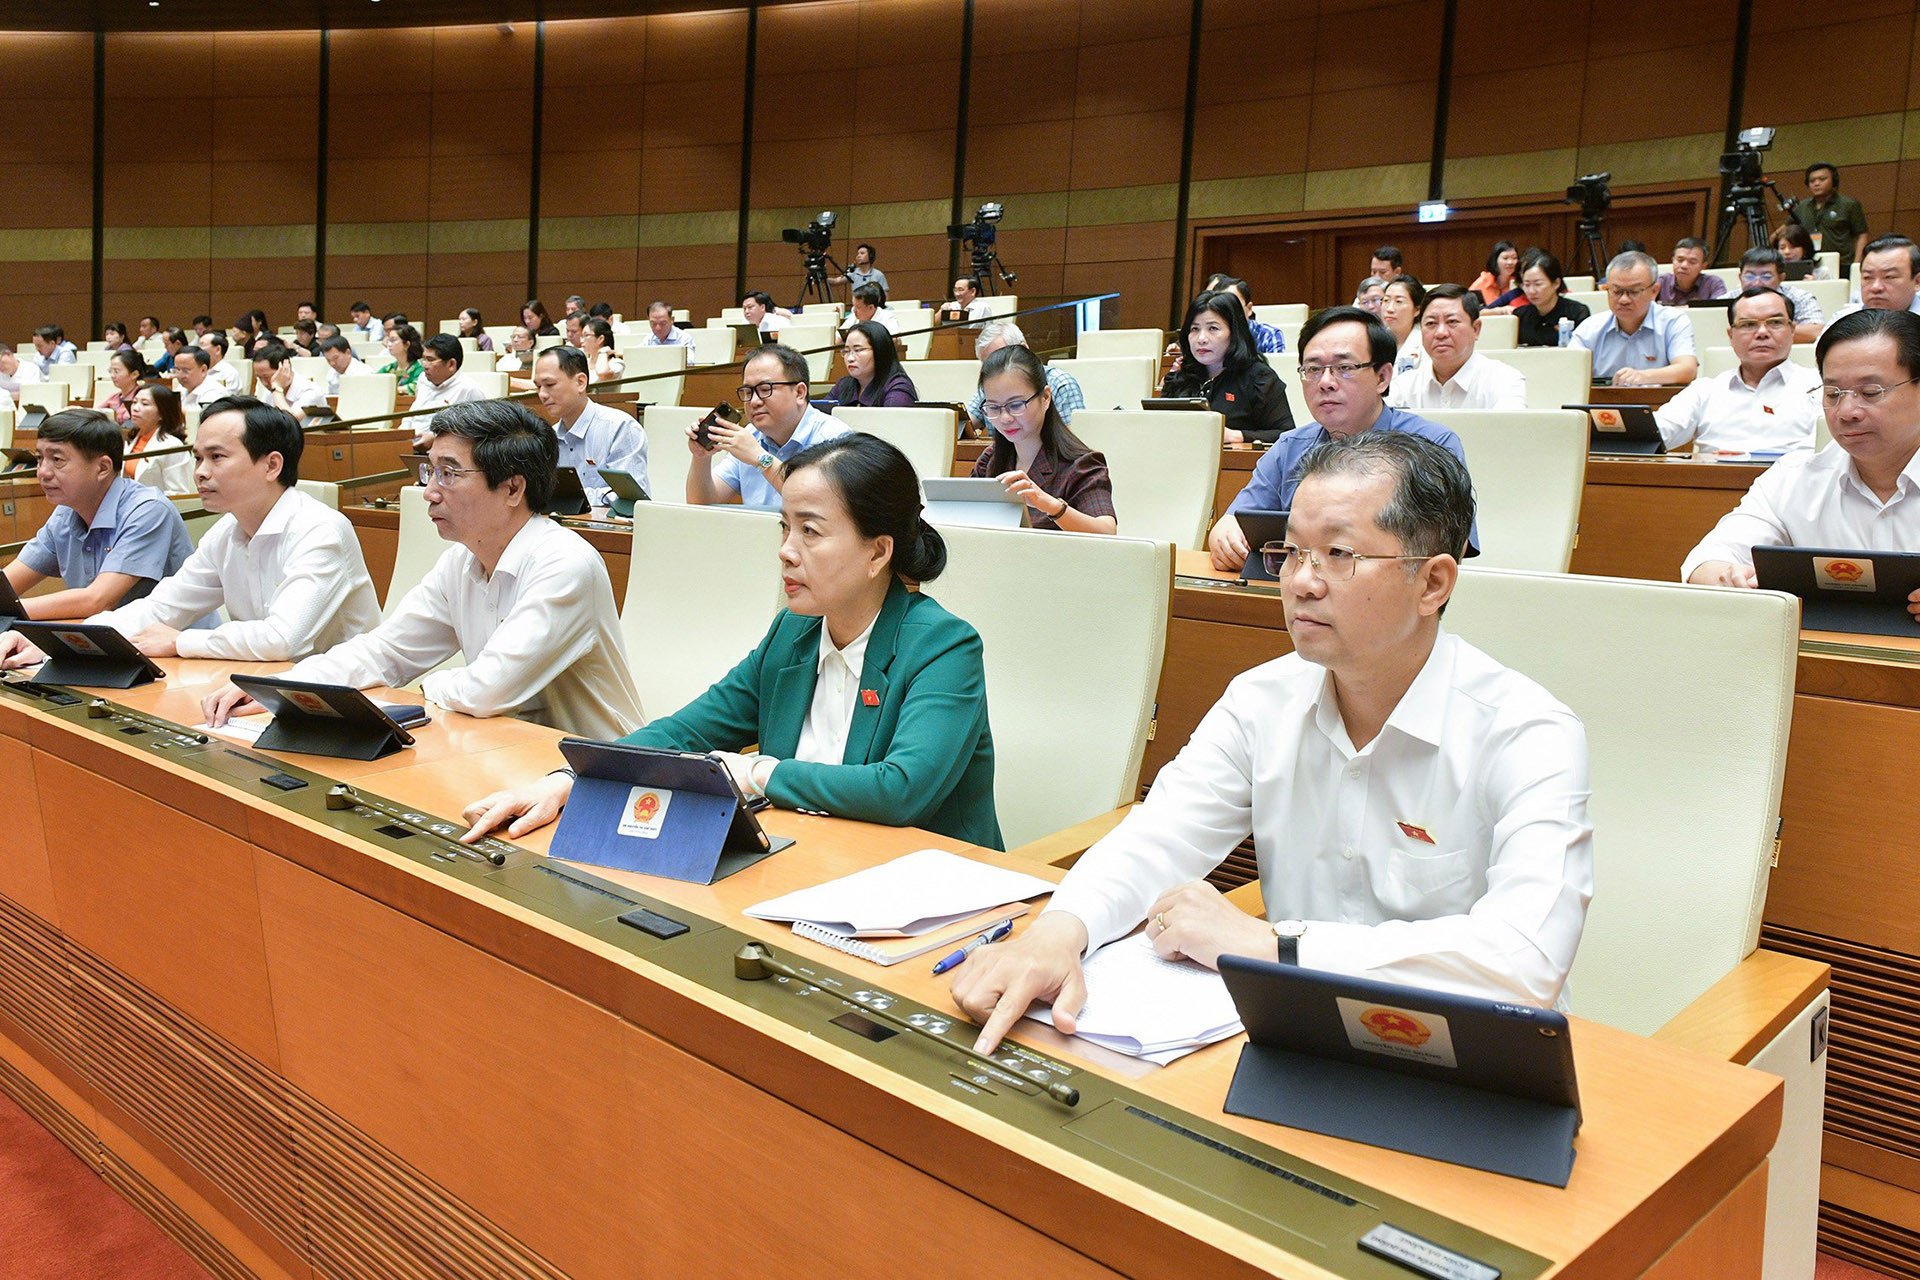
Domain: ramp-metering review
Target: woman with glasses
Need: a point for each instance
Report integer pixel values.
(1546, 306)
(1400, 304)
(1040, 461)
(157, 422)
(865, 699)
(126, 370)
(874, 376)
(404, 345)
(1220, 364)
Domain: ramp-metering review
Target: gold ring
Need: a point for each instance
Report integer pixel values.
(1160, 918)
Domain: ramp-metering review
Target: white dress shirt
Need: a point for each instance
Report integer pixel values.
(298, 585)
(354, 369)
(603, 436)
(301, 393)
(883, 316)
(1479, 383)
(432, 396)
(1481, 760)
(823, 738)
(1810, 499)
(1724, 413)
(169, 472)
(227, 376)
(541, 638)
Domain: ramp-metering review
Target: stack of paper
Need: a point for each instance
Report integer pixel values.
(1146, 1007)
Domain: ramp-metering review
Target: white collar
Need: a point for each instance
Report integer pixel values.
(855, 653)
(1421, 712)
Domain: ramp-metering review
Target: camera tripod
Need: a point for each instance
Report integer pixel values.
(815, 284)
(1589, 228)
(985, 263)
(1745, 202)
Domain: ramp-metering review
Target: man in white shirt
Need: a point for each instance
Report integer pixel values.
(870, 303)
(1455, 376)
(441, 384)
(275, 383)
(341, 362)
(15, 373)
(193, 371)
(760, 312)
(1860, 493)
(518, 357)
(661, 330)
(1420, 811)
(1889, 277)
(1764, 404)
(287, 567)
(743, 465)
(967, 303)
(526, 600)
(1636, 342)
(216, 344)
(592, 435)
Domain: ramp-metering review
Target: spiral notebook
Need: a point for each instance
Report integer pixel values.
(894, 950)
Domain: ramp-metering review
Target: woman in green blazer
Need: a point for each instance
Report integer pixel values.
(868, 700)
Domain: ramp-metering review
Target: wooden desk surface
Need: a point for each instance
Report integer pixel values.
(497, 1029)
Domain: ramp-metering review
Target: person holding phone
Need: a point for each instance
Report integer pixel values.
(740, 463)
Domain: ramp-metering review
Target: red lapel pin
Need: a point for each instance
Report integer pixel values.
(869, 697)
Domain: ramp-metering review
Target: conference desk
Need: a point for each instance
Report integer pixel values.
(318, 1042)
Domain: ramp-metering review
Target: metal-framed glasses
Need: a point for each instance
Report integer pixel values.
(1335, 564)
(1344, 372)
(1872, 393)
(444, 475)
(760, 390)
(1010, 409)
(1772, 324)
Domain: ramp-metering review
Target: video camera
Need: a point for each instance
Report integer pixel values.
(1593, 194)
(1741, 166)
(979, 232)
(816, 237)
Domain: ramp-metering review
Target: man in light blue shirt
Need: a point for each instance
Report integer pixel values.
(743, 465)
(1636, 342)
(50, 341)
(1064, 387)
(364, 327)
(592, 435)
(661, 330)
(109, 539)
(1346, 366)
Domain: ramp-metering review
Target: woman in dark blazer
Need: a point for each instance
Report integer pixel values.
(1220, 363)
(868, 700)
(874, 376)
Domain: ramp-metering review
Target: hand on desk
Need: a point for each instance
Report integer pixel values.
(16, 652)
(225, 703)
(1195, 922)
(1725, 573)
(531, 807)
(1228, 544)
(997, 984)
(157, 641)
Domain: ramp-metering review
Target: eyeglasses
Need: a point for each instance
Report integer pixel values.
(760, 390)
(1629, 294)
(1344, 372)
(1773, 324)
(444, 475)
(1335, 564)
(1011, 409)
(1873, 393)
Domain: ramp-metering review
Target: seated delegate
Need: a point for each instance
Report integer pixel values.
(742, 464)
(1220, 364)
(866, 699)
(1765, 403)
(525, 600)
(1420, 810)
(1035, 454)
(874, 376)
(1546, 306)
(1455, 375)
(1638, 342)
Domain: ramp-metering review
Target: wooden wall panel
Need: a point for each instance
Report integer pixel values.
(46, 89)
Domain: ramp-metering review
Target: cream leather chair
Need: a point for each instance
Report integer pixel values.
(641, 361)
(944, 381)
(682, 316)
(97, 344)
(1717, 360)
(1556, 376)
(450, 326)
(478, 361)
(419, 548)
(906, 306)
(1830, 294)
(1498, 333)
(702, 588)
(370, 353)
(541, 341)
(6, 428)
(1103, 344)
(814, 341)
(1165, 467)
(1281, 313)
(367, 395)
(1287, 365)
(1090, 673)
(1529, 470)
(243, 368)
(667, 457)
(1004, 304)
(711, 345)
(312, 369)
(925, 435)
(1576, 284)
(492, 385)
(915, 331)
(77, 376)
(323, 490)
(500, 333)
(51, 396)
(1709, 326)
(1596, 299)
(1729, 276)
(1120, 382)
(730, 315)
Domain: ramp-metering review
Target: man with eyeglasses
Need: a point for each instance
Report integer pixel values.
(1889, 274)
(592, 435)
(1637, 342)
(1419, 810)
(1764, 267)
(525, 600)
(1765, 404)
(1454, 375)
(1346, 366)
(742, 464)
(1860, 493)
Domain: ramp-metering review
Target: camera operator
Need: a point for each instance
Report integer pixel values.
(863, 271)
(1837, 219)
(967, 303)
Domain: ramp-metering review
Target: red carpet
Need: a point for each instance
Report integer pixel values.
(59, 1221)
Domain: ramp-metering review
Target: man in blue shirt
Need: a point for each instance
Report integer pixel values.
(108, 539)
(592, 435)
(747, 469)
(1346, 365)
(1267, 338)
(1636, 342)
(50, 341)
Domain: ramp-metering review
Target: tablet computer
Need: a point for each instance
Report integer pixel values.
(569, 499)
(329, 719)
(1176, 402)
(973, 500)
(90, 656)
(626, 490)
(1842, 589)
(10, 603)
(1621, 429)
(1260, 528)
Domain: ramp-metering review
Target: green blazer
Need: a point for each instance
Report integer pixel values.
(923, 757)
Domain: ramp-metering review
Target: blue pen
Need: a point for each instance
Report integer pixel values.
(998, 933)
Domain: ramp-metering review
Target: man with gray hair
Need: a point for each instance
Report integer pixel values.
(995, 334)
(1637, 342)
(13, 372)
(1419, 810)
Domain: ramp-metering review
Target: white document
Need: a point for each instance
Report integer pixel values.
(906, 897)
(240, 730)
(1146, 1007)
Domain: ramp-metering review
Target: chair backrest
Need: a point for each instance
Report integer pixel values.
(1529, 469)
(731, 315)
(682, 316)
(311, 368)
(77, 376)
(702, 588)
(1498, 333)
(6, 428)
(711, 345)
(947, 381)
(500, 333)
(417, 550)
(541, 341)
(641, 360)
(1576, 284)
(325, 490)
(1717, 360)
(814, 341)
(906, 306)
(1709, 326)
(367, 395)
(492, 384)
(97, 344)
(1830, 294)
(477, 361)
(1596, 299)
(1555, 376)
(915, 331)
(1685, 779)
(1101, 344)
(1119, 382)
(373, 353)
(97, 356)
(243, 369)
(1004, 304)
(1165, 468)
(450, 326)
(1282, 314)
(1729, 276)
(51, 396)
(668, 460)
(1094, 666)
(1287, 365)
(926, 435)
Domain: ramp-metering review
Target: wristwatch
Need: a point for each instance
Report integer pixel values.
(766, 461)
(1289, 932)
(1064, 507)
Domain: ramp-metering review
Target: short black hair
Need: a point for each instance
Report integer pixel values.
(51, 332)
(601, 310)
(93, 433)
(873, 254)
(1763, 256)
(1760, 291)
(571, 360)
(1387, 253)
(793, 365)
(508, 441)
(447, 347)
(202, 320)
(1902, 326)
(308, 305)
(1690, 242)
(335, 343)
(1549, 267)
(1220, 280)
(216, 338)
(177, 336)
(152, 320)
(115, 326)
(871, 294)
(882, 494)
(1829, 166)
(760, 296)
(1467, 298)
(198, 355)
(266, 430)
(1431, 511)
(1888, 243)
(275, 355)
(360, 306)
(1382, 347)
